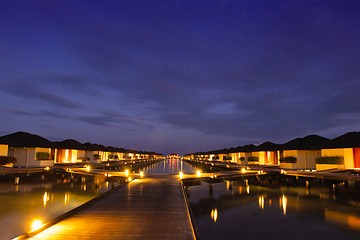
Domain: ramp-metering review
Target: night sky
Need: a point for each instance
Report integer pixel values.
(179, 76)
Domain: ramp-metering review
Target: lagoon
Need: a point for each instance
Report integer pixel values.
(237, 210)
(43, 197)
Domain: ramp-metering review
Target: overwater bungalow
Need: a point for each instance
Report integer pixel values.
(70, 151)
(301, 153)
(245, 152)
(30, 150)
(266, 153)
(340, 152)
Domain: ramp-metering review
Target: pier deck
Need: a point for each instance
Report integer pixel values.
(147, 208)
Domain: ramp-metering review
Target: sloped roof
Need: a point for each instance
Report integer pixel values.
(25, 139)
(70, 144)
(309, 142)
(266, 146)
(347, 140)
(247, 148)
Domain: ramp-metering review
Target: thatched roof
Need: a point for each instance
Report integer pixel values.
(348, 140)
(70, 144)
(266, 146)
(25, 139)
(310, 142)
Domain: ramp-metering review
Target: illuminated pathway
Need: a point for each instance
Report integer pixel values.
(148, 208)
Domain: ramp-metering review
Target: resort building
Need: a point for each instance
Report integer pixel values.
(266, 153)
(301, 153)
(70, 151)
(30, 150)
(341, 152)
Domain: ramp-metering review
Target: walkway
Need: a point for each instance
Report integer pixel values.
(148, 208)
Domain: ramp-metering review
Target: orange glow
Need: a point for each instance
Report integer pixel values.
(198, 173)
(36, 224)
(283, 204)
(261, 202)
(127, 172)
(214, 214)
(46, 198)
(181, 175)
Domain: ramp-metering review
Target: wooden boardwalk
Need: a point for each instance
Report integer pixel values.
(147, 208)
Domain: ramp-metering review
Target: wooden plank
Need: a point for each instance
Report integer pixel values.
(148, 208)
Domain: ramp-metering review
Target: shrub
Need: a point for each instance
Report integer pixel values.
(227, 158)
(7, 159)
(43, 156)
(330, 160)
(253, 159)
(96, 156)
(242, 158)
(288, 160)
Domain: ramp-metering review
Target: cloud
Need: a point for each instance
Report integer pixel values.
(33, 91)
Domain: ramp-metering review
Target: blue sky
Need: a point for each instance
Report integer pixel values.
(179, 76)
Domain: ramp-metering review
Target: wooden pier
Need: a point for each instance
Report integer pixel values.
(146, 208)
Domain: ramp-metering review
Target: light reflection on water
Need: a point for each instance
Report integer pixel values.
(233, 210)
(169, 166)
(22, 204)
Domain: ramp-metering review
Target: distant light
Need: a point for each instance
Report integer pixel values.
(129, 179)
(198, 173)
(36, 224)
(181, 175)
(127, 172)
(87, 167)
(141, 173)
(243, 170)
(47, 169)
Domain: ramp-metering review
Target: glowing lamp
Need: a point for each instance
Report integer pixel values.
(36, 224)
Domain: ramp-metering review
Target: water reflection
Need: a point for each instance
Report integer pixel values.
(283, 203)
(214, 214)
(169, 166)
(261, 200)
(43, 198)
(252, 211)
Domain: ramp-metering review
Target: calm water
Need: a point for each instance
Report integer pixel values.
(169, 166)
(234, 210)
(225, 210)
(43, 199)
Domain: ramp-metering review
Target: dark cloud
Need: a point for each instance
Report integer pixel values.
(32, 91)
